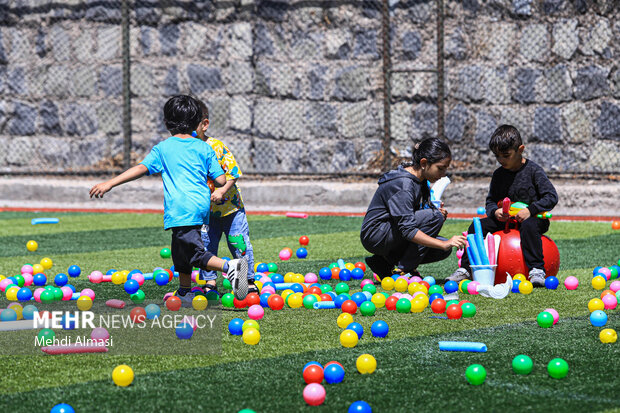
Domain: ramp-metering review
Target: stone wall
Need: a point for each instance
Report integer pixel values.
(296, 86)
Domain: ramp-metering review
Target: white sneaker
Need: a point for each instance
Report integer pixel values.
(238, 277)
(537, 277)
(459, 275)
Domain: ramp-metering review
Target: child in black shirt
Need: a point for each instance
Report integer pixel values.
(521, 180)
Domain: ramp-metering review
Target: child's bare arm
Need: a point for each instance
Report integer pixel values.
(130, 174)
(218, 195)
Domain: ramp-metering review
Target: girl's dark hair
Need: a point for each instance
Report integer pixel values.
(504, 138)
(433, 149)
(183, 114)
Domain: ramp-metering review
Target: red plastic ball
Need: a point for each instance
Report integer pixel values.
(240, 303)
(454, 312)
(360, 265)
(326, 297)
(335, 273)
(314, 290)
(173, 303)
(138, 314)
(510, 257)
(275, 302)
(424, 283)
(304, 240)
(334, 362)
(170, 275)
(252, 299)
(390, 303)
(349, 306)
(313, 374)
(438, 306)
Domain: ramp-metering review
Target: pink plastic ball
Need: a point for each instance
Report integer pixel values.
(27, 269)
(610, 301)
(256, 312)
(194, 276)
(95, 277)
(269, 289)
(416, 279)
(37, 294)
(139, 278)
(311, 278)
(472, 287)
(417, 293)
(366, 281)
(314, 394)
(554, 313)
(571, 283)
(191, 320)
(88, 292)
(285, 255)
(67, 293)
(5, 283)
(615, 286)
(27, 279)
(605, 271)
(265, 279)
(397, 295)
(99, 334)
(407, 296)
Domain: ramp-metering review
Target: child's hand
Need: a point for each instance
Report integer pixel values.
(217, 196)
(98, 190)
(522, 215)
(443, 211)
(457, 241)
(501, 216)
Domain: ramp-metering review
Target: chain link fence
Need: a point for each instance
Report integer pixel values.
(332, 87)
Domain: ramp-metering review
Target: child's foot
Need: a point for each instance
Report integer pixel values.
(459, 275)
(186, 297)
(209, 288)
(238, 277)
(537, 277)
(379, 266)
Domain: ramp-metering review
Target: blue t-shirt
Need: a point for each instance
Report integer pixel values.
(185, 166)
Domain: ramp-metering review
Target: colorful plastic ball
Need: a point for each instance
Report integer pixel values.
(309, 300)
(451, 287)
(598, 318)
(599, 282)
(272, 267)
(247, 324)
(314, 394)
(571, 283)
(344, 319)
(184, 331)
(378, 300)
(62, 408)
(84, 303)
(472, 287)
(608, 336)
(522, 364)
(256, 312)
(138, 297)
(74, 271)
(28, 312)
(325, 273)
(122, 375)
(200, 302)
(359, 406)
(438, 306)
(526, 287)
(605, 272)
(348, 338)
(401, 285)
(235, 326)
(275, 302)
(32, 246)
(609, 301)
(366, 364)
(342, 288)
(173, 303)
(554, 313)
(284, 255)
(368, 308)
(369, 288)
(8, 315)
(39, 279)
(137, 315)
(161, 278)
(60, 279)
(313, 373)
(333, 373)
(357, 273)
(379, 329)
(403, 305)
(349, 306)
(131, 286)
(357, 328)
(387, 283)
(515, 286)
(262, 267)
(227, 300)
(47, 263)
(557, 368)
(24, 294)
(551, 282)
(359, 298)
(165, 253)
(45, 337)
(469, 310)
(301, 253)
(615, 286)
(304, 240)
(475, 374)
(345, 275)
(152, 311)
(544, 319)
(251, 336)
(454, 312)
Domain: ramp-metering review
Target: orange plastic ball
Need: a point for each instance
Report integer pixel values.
(615, 225)
(173, 303)
(138, 314)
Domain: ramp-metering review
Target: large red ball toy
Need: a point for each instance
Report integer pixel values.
(349, 306)
(390, 303)
(275, 302)
(510, 257)
(252, 299)
(313, 374)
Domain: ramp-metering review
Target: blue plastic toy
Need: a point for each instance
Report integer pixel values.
(184, 331)
(333, 374)
(598, 318)
(234, 326)
(360, 406)
(357, 327)
(468, 346)
(379, 329)
(60, 279)
(551, 283)
(301, 253)
(74, 271)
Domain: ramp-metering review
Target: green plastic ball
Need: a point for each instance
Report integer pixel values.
(20, 280)
(212, 296)
(469, 310)
(403, 305)
(370, 288)
(333, 265)
(522, 364)
(272, 267)
(368, 308)
(464, 286)
(475, 374)
(138, 297)
(165, 253)
(557, 368)
(309, 301)
(46, 337)
(47, 296)
(435, 289)
(325, 288)
(545, 319)
(386, 295)
(228, 300)
(58, 294)
(227, 284)
(449, 303)
(614, 272)
(342, 288)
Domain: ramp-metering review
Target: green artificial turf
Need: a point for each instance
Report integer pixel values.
(412, 373)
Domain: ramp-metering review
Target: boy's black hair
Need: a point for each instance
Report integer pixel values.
(504, 138)
(433, 149)
(183, 114)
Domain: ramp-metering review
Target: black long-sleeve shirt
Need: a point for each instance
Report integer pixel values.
(529, 185)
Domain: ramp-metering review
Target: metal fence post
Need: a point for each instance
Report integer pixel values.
(387, 66)
(126, 84)
(440, 71)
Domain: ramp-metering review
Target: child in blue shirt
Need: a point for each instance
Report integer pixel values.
(185, 162)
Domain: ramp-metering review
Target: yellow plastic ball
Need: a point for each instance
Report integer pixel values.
(411, 287)
(366, 364)
(349, 266)
(348, 338)
(596, 304)
(418, 305)
(256, 264)
(608, 336)
(344, 320)
(401, 285)
(200, 302)
(378, 300)
(125, 274)
(286, 293)
(37, 268)
(32, 246)
(461, 286)
(387, 283)
(84, 303)
(122, 375)
(251, 336)
(250, 324)
(296, 300)
(11, 293)
(288, 277)
(117, 278)
(420, 288)
(19, 310)
(2, 277)
(525, 287)
(519, 277)
(47, 263)
(599, 282)
(298, 278)
(201, 282)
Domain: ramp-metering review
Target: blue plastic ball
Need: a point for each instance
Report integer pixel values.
(357, 273)
(325, 273)
(24, 294)
(298, 288)
(481, 211)
(332, 294)
(450, 287)
(72, 287)
(277, 278)
(360, 406)
(312, 363)
(184, 331)
(111, 271)
(162, 278)
(8, 315)
(551, 283)
(269, 284)
(595, 270)
(62, 408)
(359, 298)
(132, 272)
(340, 299)
(357, 327)
(515, 286)
(39, 279)
(345, 275)
(333, 374)
(262, 267)
(435, 296)
(379, 329)
(28, 312)
(263, 299)
(152, 311)
(301, 252)
(234, 326)
(598, 318)
(131, 286)
(430, 280)
(74, 271)
(61, 279)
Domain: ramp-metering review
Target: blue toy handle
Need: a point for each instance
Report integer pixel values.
(480, 242)
(36, 221)
(469, 346)
(324, 305)
(341, 264)
(472, 250)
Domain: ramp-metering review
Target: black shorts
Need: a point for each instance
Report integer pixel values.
(188, 250)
